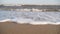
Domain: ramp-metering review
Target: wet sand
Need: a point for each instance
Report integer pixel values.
(14, 28)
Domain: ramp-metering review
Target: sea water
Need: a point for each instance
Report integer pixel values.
(30, 17)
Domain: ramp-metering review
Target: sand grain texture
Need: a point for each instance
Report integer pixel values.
(13, 28)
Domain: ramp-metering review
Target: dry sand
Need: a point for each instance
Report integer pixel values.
(14, 28)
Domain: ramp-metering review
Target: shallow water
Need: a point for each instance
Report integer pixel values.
(30, 16)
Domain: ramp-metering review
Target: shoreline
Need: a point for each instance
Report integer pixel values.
(35, 23)
(13, 28)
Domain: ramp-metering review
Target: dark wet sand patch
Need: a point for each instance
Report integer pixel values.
(14, 28)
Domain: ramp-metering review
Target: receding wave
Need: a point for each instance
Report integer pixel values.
(30, 17)
(23, 21)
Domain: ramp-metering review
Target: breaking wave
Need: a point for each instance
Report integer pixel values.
(30, 17)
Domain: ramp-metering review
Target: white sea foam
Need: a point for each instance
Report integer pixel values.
(30, 17)
(5, 20)
(23, 21)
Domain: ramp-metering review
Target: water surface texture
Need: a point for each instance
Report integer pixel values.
(30, 16)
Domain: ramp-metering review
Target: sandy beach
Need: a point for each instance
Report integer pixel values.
(14, 28)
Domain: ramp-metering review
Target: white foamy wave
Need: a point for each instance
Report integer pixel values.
(38, 23)
(5, 20)
(22, 21)
(35, 18)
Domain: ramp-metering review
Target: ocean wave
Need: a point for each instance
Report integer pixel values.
(25, 21)
(30, 17)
